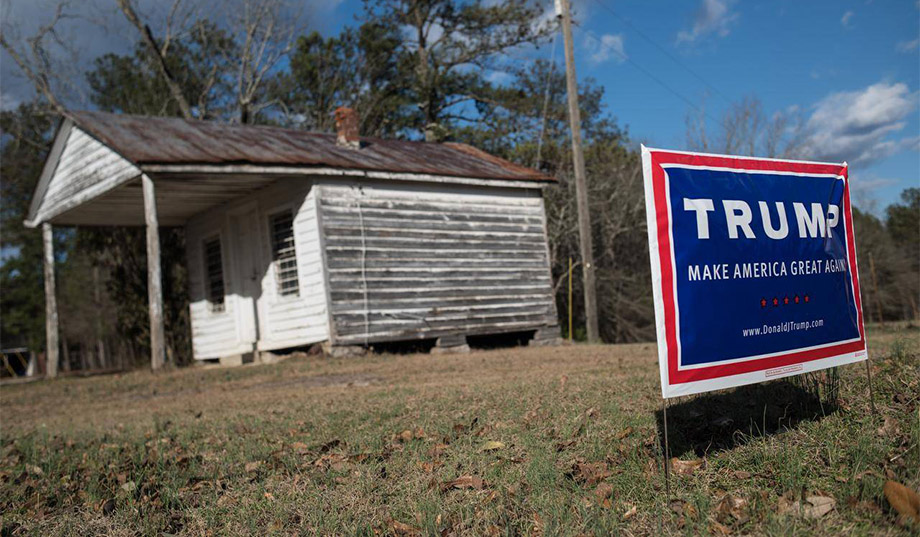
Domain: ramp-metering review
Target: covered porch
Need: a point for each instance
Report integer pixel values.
(86, 183)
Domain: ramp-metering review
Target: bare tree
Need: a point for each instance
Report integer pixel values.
(744, 129)
(159, 51)
(618, 225)
(36, 59)
(263, 32)
(259, 34)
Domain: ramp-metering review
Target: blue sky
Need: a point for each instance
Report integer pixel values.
(849, 69)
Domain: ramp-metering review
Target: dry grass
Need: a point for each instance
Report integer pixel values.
(551, 441)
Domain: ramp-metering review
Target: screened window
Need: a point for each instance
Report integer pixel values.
(284, 255)
(214, 272)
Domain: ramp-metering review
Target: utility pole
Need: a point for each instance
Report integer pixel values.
(581, 188)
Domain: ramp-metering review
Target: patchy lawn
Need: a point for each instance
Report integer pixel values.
(543, 441)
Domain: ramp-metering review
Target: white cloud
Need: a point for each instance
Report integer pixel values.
(712, 17)
(858, 126)
(872, 182)
(9, 101)
(864, 188)
(547, 19)
(845, 20)
(604, 48)
(499, 78)
(908, 46)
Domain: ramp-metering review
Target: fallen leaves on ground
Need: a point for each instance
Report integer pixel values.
(590, 472)
(436, 450)
(401, 528)
(335, 442)
(602, 494)
(818, 506)
(464, 482)
(429, 466)
(408, 435)
(631, 512)
(562, 446)
(108, 507)
(538, 524)
(861, 505)
(890, 428)
(903, 500)
(812, 507)
(683, 510)
(732, 509)
(681, 467)
(493, 445)
(253, 466)
(335, 461)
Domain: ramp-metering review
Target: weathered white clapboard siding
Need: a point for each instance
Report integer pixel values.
(414, 261)
(85, 170)
(301, 319)
(214, 334)
(284, 321)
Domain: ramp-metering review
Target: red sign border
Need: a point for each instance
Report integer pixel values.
(677, 376)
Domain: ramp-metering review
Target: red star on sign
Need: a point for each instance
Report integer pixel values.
(775, 302)
(806, 298)
(785, 300)
(763, 302)
(796, 299)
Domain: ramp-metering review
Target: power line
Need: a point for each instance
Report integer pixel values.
(658, 80)
(663, 50)
(666, 86)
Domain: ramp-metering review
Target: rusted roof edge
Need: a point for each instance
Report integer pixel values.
(332, 171)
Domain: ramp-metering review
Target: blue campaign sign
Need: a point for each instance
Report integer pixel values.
(754, 269)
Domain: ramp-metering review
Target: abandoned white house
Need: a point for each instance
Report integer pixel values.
(296, 237)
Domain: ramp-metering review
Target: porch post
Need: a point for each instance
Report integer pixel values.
(154, 283)
(51, 314)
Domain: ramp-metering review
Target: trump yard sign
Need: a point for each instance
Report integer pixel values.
(753, 269)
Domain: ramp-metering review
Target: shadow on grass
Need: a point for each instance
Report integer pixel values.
(709, 423)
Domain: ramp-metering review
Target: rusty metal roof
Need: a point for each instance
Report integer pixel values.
(173, 141)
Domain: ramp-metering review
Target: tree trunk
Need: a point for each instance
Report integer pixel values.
(97, 302)
(65, 366)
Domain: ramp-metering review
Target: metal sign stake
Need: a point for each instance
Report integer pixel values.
(667, 453)
(871, 396)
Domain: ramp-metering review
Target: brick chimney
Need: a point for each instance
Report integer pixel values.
(346, 127)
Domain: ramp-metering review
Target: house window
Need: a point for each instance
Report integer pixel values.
(284, 256)
(214, 274)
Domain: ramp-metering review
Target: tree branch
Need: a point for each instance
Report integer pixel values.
(158, 55)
